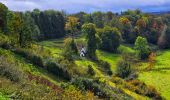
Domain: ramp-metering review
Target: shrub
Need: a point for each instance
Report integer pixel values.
(70, 49)
(105, 66)
(72, 93)
(90, 70)
(57, 70)
(153, 93)
(123, 69)
(37, 60)
(4, 41)
(99, 89)
(141, 88)
(89, 84)
(10, 70)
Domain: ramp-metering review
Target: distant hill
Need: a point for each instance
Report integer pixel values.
(161, 12)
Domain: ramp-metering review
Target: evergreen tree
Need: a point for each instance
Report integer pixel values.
(90, 31)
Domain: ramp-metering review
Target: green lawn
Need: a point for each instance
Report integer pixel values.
(159, 77)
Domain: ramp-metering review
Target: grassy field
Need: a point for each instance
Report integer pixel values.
(55, 46)
(111, 58)
(159, 77)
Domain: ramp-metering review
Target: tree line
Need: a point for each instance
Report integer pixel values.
(25, 27)
(111, 28)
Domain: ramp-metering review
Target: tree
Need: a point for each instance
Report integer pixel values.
(110, 39)
(141, 47)
(18, 23)
(50, 23)
(98, 19)
(90, 31)
(3, 18)
(126, 29)
(80, 16)
(72, 25)
(70, 48)
(108, 16)
(34, 29)
(142, 25)
(88, 18)
(123, 69)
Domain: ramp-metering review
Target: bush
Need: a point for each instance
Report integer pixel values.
(99, 89)
(123, 69)
(37, 60)
(10, 70)
(4, 41)
(57, 70)
(90, 70)
(89, 84)
(72, 93)
(70, 49)
(105, 66)
(153, 93)
(141, 88)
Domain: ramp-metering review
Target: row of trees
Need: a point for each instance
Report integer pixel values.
(132, 24)
(24, 27)
(129, 25)
(50, 23)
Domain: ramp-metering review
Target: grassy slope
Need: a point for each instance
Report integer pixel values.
(109, 57)
(159, 77)
(55, 46)
(27, 66)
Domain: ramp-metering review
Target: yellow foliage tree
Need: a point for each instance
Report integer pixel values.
(152, 60)
(71, 25)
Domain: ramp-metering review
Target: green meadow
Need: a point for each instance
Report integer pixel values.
(159, 77)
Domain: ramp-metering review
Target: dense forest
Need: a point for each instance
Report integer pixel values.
(40, 55)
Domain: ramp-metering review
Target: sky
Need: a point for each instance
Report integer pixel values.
(73, 6)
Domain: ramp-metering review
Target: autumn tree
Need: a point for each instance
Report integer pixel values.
(151, 61)
(126, 29)
(72, 25)
(142, 25)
